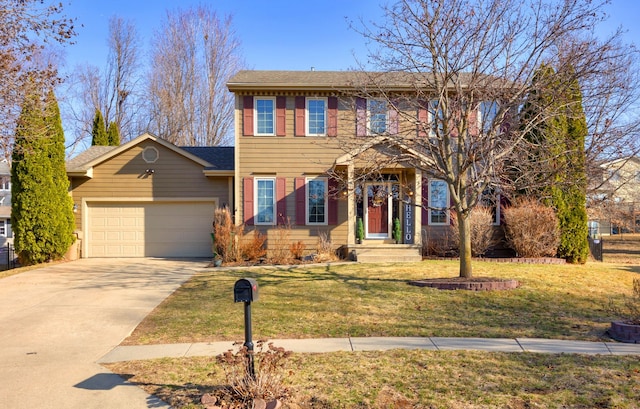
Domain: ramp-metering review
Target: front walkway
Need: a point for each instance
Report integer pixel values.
(551, 346)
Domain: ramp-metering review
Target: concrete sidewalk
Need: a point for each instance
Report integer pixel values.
(551, 346)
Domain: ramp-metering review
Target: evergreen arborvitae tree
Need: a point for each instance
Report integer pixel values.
(42, 211)
(99, 130)
(559, 145)
(574, 230)
(113, 134)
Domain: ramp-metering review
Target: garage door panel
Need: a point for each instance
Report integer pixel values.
(150, 229)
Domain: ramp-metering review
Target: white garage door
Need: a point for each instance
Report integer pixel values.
(149, 229)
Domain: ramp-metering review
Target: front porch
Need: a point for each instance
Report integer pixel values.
(374, 251)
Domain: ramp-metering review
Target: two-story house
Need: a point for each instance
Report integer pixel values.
(290, 138)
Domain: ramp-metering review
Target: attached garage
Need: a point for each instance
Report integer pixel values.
(171, 229)
(149, 198)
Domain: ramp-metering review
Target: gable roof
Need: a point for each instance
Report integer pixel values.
(83, 164)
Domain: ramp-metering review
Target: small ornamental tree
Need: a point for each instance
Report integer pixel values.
(113, 134)
(42, 211)
(99, 130)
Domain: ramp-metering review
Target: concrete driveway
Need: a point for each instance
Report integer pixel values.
(57, 321)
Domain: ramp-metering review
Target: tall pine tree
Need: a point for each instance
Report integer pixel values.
(113, 134)
(42, 211)
(558, 144)
(99, 130)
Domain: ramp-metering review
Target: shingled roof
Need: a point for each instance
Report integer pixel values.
(221, 157)
(249, 80)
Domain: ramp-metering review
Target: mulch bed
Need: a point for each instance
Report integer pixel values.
(472, 284)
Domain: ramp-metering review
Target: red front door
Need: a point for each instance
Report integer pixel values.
(377, 211)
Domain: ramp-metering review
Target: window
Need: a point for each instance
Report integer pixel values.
(377, 116)
(5, 183)
(438, 202)
(491, 200)
(3, 229)
(437, 123)
(316, 201)
(316, 116)
(265, 201)
(487, 113)
(265, 116)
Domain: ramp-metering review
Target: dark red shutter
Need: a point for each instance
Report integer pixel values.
(332, 117)
(247, 200)
(393, 119)
(361, 117)
(423, 119)
(425, 202)
(247, 115)
(301, 202)
(281, 200)
(333, 201)
(300, 116)
(281, 116)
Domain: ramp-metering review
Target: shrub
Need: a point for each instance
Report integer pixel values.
(253, 246)
(532, 229)
(324, 248)
(269, 371)
(297, 249)
(280, 253)
(441, 246)
(482, 234)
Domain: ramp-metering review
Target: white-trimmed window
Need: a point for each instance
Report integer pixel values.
(316, 118)
(265, 201)
(491, 200)
(487, 113)
(265, 116)
(5, 183)
(377, 114)
(437, 123)
(317, 200)
(438, 202)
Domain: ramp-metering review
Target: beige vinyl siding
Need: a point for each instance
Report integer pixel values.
(123, 176)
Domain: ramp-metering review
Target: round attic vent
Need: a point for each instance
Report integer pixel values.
(150, 154)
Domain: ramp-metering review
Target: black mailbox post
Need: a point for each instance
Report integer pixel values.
(246, 290)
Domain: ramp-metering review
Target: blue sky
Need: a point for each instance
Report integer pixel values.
(275, 34)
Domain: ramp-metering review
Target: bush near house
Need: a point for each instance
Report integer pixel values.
(532, 229)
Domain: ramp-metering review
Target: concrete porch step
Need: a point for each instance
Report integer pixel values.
(380, 253)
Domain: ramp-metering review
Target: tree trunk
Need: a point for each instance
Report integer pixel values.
(464, 230)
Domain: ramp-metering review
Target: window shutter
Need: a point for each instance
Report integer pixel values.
(423, 119)
(332, 117)
(247, 208)
(425, 202)
(281, 116)
(300, 116)
(361, 117)
(393, 119)
(247, 115)
(301, 205)
(281, 201)
(333, 201)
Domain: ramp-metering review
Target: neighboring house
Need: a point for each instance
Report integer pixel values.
(6, 236)
(614, 205)
(287, 147)
(149, 198)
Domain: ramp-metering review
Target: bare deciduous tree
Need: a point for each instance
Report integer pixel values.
(194, 54)
(114, 90)
(27, 27)
(471, 65)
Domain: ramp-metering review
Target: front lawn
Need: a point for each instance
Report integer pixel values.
(554, 301)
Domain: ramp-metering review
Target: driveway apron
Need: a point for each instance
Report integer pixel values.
(57, 321)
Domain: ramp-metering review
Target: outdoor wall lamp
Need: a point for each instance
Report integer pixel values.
(149, 171)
